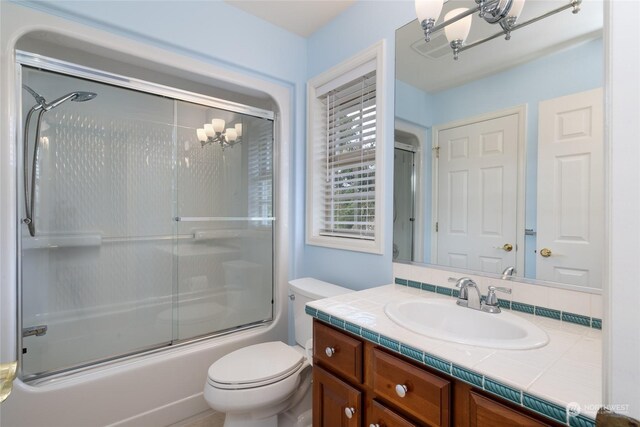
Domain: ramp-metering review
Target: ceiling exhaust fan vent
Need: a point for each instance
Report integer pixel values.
(435, 49)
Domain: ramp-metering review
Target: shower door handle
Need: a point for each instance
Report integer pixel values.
(38, 331)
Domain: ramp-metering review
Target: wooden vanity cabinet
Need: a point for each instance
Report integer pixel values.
(356, 383)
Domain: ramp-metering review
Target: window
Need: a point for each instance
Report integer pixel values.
(344, 155)
(260, 173)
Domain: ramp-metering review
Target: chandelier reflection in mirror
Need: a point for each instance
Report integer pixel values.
(457, 22)
(215, 133)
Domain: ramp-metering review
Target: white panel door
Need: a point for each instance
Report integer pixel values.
(477, 194)
(570, 189)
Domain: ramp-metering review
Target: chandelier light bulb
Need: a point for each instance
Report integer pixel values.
(231, 134)
(428, 9)
(218, 125)
(459, 30)
(208, 130)
(202, 136)
(238, 128)
(516, 9)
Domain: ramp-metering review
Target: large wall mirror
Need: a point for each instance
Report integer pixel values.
(499, 154)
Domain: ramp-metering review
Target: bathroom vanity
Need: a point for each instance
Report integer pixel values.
(371, 372)
(360, 383)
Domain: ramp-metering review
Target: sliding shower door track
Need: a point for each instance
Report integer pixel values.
(76, 70)
(57, 376)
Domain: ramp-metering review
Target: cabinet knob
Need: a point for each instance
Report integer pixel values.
(374, 425)
(329, 351)
(349, 412)
(401, 390)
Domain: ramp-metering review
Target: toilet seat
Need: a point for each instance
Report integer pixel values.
(255, 366)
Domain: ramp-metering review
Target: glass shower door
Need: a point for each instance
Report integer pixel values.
(98, 273)
(136, 235)
(225, 229)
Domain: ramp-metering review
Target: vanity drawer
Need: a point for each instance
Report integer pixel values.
(337, 351)
(417, 392)
(381, 416)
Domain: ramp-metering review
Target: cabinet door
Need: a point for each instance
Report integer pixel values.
(484, 412)
(379, 415)
(335, 403)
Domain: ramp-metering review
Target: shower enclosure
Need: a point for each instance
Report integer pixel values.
(136, 235)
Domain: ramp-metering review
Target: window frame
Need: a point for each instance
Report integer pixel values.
(343, 73)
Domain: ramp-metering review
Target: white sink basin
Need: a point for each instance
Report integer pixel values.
(443, 319)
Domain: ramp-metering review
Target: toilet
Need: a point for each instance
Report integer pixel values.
(268, 384)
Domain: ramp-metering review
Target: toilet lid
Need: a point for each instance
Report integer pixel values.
(255, 365)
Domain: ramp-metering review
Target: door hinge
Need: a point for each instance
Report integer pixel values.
(436, 227)
(436, 152)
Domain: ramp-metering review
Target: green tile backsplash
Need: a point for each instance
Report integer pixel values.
(522, 307)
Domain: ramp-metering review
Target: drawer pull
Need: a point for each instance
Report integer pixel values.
(349, 412)
(329, 351)
(374, 425)
(401, 390)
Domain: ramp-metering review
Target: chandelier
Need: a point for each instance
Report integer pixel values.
(457, 22)
(215, 133)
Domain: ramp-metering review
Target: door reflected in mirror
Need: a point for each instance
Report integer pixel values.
(499, 155)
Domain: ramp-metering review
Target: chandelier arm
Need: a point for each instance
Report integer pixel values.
(574, 3)
(498, 13)
(456, 18)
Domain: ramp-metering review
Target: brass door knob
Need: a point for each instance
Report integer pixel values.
(507, 247)
(545, 252)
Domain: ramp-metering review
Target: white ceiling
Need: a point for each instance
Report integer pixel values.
(302, 17)
(439, 71)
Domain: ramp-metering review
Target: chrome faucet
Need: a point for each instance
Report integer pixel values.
(508, 273)
(472, 299)
(466, 298)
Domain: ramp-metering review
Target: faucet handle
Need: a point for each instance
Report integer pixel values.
(465, 281)
(492, 299)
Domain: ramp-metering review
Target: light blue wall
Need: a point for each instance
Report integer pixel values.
(359, 27)
(413, 105)
(572, 70)
(211, 30)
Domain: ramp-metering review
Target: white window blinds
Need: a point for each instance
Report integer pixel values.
(260, 170)
(348, 164)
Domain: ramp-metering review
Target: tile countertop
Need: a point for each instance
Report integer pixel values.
(567, 370)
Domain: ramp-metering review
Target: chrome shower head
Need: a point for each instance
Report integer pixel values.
(73, 96)
(84, 96)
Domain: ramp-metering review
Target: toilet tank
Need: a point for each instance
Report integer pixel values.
(305, 290)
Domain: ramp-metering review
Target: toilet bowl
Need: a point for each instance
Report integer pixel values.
(268, 384)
